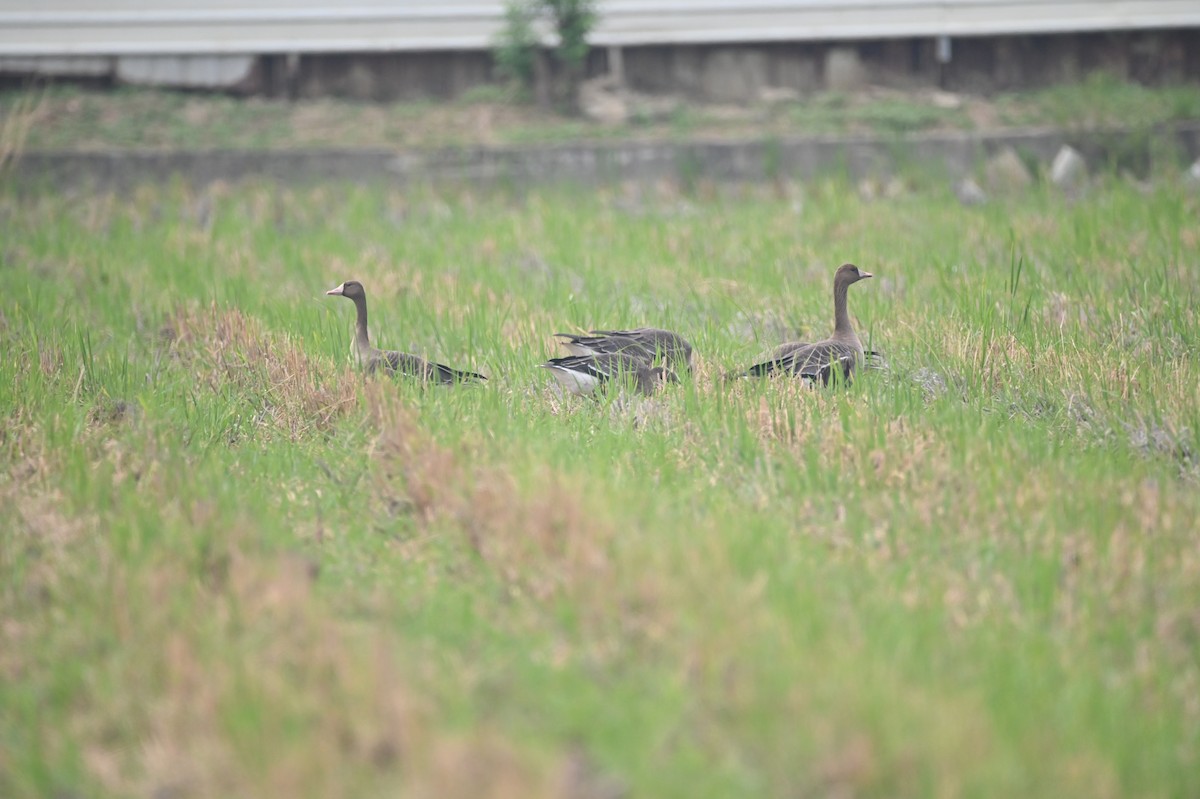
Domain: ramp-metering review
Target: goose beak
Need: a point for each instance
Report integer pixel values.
(861, 276)
(337, 290)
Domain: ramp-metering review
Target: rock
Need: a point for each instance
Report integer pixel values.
(1006, 173)
(844, 71)
(1069, 171)
(969, 192)
(603, 100)
(868, 189)
(1191, 178)
(777, 95)
(946, 100)
(1142, 186)
(871, 189)
(895, 188)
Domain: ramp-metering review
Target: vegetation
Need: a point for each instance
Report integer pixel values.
(573, 22)
(229, 566)
(138, 118)
(1099, 100)
(519, 47)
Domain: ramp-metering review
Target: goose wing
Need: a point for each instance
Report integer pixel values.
(815, 363)
(415, 366)
(583, 374)
(604, 365)
(646, 343)
(584, 346)
(670, 345)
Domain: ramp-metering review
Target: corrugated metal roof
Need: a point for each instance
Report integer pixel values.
(125, 27)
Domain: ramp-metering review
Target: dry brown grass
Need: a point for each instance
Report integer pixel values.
(541, 543)
(52, 541)
(361, 721)
(327, 708)
(745, 584)
(224, 347)
(265, 691)
(16, 125)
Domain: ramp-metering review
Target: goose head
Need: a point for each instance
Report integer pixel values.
(351, 289)
(849, 273)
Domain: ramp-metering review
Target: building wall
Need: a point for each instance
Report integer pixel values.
(255, 27)
(716, 50)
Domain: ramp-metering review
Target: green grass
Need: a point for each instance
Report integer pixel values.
(64, 117)
(836, 113)
(1099, 100)
(231, 567)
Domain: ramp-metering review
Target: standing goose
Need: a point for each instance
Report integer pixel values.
(583, 374)
(842, 353)
(646, 343)
(390, 361)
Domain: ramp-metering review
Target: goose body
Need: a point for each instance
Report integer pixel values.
(820, 362)
(646, 343)
(373, 359)
(583, 374)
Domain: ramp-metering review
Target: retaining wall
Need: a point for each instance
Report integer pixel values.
(953, 155)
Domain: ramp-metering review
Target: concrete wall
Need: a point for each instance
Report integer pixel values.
(258, 27)
(725, 73)
(952, 155)
(729, 73)
(393, 76)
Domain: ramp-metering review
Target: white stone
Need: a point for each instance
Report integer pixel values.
(1192, 176)
(778, 95)
(969, 192)
(895, 188)
(601, 99)
(946, 100)
(1068, 171)
(1005, 172)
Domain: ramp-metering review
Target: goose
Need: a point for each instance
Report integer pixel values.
(818, 362)
(390, 361)
(646, 343)
(583, 374)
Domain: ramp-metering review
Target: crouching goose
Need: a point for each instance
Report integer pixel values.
(646, 343)
(583, 374)
(818, 362)
(392, 362)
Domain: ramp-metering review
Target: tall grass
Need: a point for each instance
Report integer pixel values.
(69, 118)
(231, 566)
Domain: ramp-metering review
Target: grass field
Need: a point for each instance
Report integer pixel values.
(229, 566)
(69, 118)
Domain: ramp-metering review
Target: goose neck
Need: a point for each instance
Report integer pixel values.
(841, 316)
(361, 340)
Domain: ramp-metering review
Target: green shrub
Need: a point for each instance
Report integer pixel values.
(516, 46)
(516, 50)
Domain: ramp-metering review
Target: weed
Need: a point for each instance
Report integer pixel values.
(67, 118)
(230, 565)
